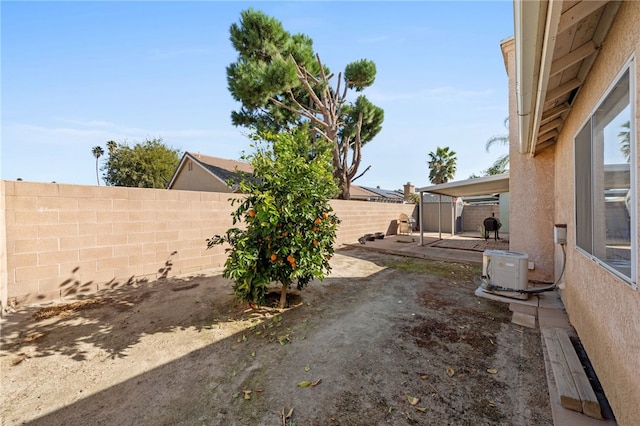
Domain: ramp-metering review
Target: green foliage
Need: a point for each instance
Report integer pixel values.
(371, 114)
(97, 151)
(145, 165)
(360, 74)
(624, 137)
(112, 146)
(442, 165)
(282, 84)
(414, 198)
(289, 227)
(264, 71)
(501, 164)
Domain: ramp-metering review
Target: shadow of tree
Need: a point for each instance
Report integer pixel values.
(359, 340)
(116, 319)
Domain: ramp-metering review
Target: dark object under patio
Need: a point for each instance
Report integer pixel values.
(491, 224)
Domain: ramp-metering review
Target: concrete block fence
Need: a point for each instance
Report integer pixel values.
(473, 216)
(59, 241)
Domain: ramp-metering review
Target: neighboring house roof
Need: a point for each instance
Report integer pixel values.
(225, 171)
(376, 194)
(359, 193)
(551, 65)
(222, 169)
(391, 195)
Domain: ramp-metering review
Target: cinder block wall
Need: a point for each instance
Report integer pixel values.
(474, 215)
(362, 217)
(66, 240)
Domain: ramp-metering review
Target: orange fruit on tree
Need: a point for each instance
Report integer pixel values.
(252, 213)
(273, 257)
(315, 242)
(314, 229)
(318, 221)
(325, 215)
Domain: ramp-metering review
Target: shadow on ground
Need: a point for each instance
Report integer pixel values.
(383, 340)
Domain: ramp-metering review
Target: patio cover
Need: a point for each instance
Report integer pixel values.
(495, 184)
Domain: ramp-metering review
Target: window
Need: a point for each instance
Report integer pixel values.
(605, 192)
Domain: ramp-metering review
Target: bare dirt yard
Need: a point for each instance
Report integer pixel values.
(382, 340)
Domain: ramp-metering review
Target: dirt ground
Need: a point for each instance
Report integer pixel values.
(382, 340)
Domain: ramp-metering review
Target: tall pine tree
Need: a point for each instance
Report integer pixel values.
(282, 83)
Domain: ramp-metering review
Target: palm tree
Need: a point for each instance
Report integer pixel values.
(624, 136)
(502, 163)
(112, 146)
(97, 152)
(442, 164)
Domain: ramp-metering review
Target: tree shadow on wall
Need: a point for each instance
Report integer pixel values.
(74, 287)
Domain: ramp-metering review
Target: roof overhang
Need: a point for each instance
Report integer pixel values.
(495, 184)
(556, 43)
(531, 37)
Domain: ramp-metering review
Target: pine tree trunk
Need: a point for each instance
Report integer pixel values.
(345, 188)
(283, 297)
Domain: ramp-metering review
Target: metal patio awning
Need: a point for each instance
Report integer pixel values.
(496, 184)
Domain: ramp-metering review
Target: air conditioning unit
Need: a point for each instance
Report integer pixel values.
(505, 269)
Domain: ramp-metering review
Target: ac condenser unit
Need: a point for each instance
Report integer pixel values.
(506, 269)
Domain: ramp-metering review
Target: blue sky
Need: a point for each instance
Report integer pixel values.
(77, 74)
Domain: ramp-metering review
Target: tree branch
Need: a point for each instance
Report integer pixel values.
(360, 175)
(355, 162)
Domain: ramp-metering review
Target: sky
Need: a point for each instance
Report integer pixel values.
(75, 75)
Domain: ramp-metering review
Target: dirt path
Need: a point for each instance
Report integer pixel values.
(380, 331)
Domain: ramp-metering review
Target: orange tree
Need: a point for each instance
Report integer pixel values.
(290, 226)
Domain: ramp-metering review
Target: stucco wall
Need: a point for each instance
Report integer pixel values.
(65, 240)
(531, 193)
(604, 311)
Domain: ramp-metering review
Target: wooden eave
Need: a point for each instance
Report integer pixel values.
(554, 67)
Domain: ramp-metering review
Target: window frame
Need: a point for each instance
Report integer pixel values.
(588, 188)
